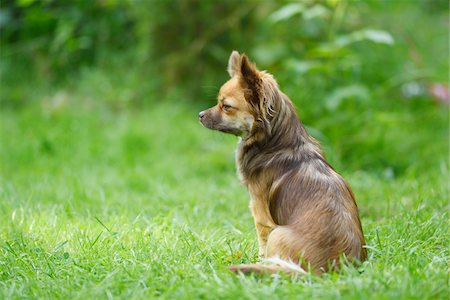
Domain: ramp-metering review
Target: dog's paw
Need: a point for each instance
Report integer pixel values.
(262, 251)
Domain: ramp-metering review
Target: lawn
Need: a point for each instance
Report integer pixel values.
(100, 203)
(111, 189)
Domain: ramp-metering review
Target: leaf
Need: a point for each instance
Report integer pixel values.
(286, 12)
(25, 3)
(293, 9)
(333, 3)
(376, 36)
(317, 11)
(304, 66)
(355, 91)
(269, 53)
(379, 36)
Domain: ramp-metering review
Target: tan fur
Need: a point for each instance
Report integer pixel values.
(304, 211)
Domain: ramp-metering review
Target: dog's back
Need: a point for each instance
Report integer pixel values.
(313, 209)
(304, 211)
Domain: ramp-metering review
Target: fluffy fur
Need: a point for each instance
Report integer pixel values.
(305, 213)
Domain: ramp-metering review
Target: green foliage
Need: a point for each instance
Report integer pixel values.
(146, 203)
(320, 44)
(64, 35)
(200, 40)
(110, 188)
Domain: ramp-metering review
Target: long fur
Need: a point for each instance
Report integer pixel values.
(304, 211)
(270, 265)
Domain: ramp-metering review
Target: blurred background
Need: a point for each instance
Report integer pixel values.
(369, 78)
(110, 186)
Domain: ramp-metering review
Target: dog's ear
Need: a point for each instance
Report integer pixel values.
(251, 80)
(234, 63)
(249, 72)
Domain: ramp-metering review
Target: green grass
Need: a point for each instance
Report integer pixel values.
(104, 203)
(108, 189)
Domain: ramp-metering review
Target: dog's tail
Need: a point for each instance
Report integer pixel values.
(270, 266)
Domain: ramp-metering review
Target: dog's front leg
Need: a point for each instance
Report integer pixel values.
(263, 232)
(263, 222)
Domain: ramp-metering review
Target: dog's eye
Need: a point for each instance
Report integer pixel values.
(226, 107)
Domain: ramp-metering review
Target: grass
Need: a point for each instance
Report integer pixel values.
(105, 195)
(100, 203)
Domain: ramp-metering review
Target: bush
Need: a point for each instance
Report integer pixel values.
(61, 36)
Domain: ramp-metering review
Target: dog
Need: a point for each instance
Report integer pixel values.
(305, 213)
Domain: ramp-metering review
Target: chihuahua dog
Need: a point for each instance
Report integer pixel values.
(305, 213)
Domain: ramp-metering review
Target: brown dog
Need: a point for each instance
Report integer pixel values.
(304, 212)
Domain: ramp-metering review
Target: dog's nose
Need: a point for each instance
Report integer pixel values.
(201, 115)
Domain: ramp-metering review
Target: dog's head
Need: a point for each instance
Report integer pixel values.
(244, 107)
